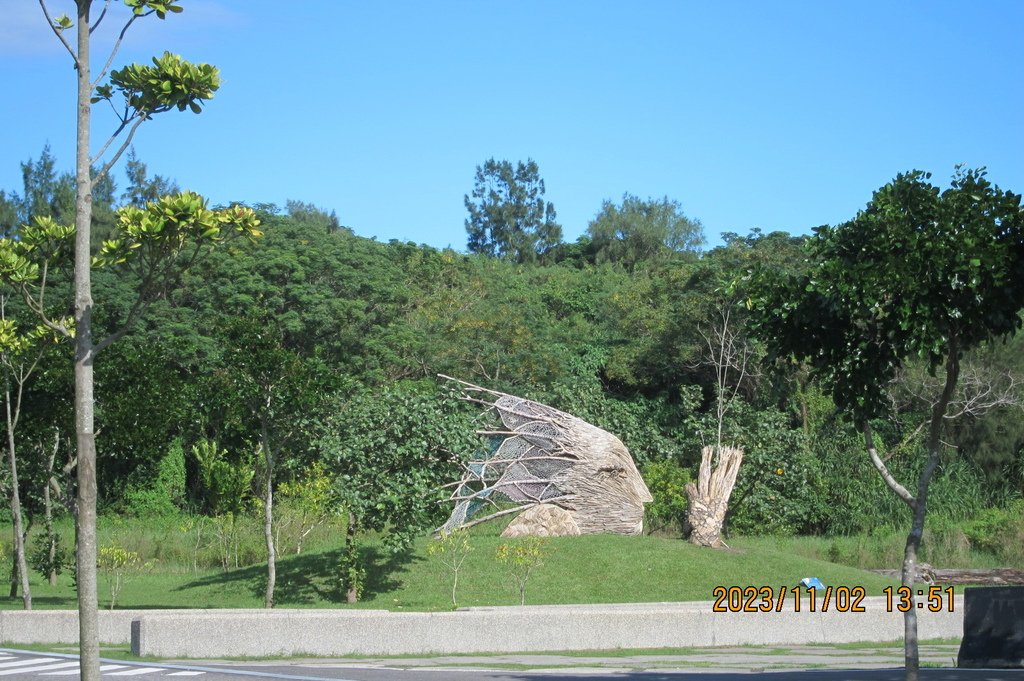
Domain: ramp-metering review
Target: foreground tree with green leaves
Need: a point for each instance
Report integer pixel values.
(154, 238)
(918, 273)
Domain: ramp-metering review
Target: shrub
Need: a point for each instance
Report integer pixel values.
(667, 482)
(227, 486)
(1000, 531)
(165, 495)
(42, 562)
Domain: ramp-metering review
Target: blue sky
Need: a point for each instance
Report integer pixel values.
(779, 115)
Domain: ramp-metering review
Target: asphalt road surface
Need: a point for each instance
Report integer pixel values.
(25, 666)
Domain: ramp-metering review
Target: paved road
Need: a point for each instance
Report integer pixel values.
(24, 666)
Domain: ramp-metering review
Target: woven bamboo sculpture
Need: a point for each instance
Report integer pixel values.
(560, 473)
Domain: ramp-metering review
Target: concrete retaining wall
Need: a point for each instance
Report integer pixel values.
(61, 626)
(258, 633)
(210, 634)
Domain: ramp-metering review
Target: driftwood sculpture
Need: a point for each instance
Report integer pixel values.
(560, 473)
(709, 498)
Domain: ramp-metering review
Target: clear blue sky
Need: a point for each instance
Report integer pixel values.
(778, 115)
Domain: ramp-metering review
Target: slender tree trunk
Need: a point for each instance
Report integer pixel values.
(19, 531)
(352, 592)
(51, 537)
(908, 575)
(268, 516)
(85, 525)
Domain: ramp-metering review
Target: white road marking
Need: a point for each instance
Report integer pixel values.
(138, 671)
(24, 663)
(50, 666)
(74, 672)
(39, 668)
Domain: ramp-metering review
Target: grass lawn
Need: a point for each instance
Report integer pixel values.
(591, 569)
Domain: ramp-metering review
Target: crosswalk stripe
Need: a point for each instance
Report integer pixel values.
(23, 663)
(72, 672)
(49, 666)
(39, 668)
(137, 671)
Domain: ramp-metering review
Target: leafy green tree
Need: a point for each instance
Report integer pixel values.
(279, 391)
(141, 188)
(638, 232)
(307, 212)
(9, 219)
(47, 193)
(391, 451)
(138, 92)
(918, 273)
(508, 216)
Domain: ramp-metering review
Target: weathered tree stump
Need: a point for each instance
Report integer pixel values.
(709, 497)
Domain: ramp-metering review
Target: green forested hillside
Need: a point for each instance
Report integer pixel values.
(328, 345)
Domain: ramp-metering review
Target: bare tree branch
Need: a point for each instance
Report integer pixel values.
(127, 142)
(880, 466)
(99, 20)
(57, 32)
(117, 44)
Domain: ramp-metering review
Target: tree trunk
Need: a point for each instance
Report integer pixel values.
(352, 592)
(51, 536)
(85, 525)
(268, 516)
(912, 661)
(19, 531)
(709, 498)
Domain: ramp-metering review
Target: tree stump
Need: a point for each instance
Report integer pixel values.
(709, 498)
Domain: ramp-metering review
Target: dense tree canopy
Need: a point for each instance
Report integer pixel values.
(371, 324)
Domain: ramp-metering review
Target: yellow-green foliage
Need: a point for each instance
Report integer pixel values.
(117, 564)
(302, 506)
(450, 550)
(520, 559)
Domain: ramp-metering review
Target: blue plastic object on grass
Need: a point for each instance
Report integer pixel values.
(811, 583)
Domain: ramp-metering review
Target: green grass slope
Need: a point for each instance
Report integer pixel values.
(591, 569)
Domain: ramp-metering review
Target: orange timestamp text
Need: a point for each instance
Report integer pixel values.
(831, 598)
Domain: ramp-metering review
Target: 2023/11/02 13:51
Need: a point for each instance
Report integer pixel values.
(900, 598)
(834, 598)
